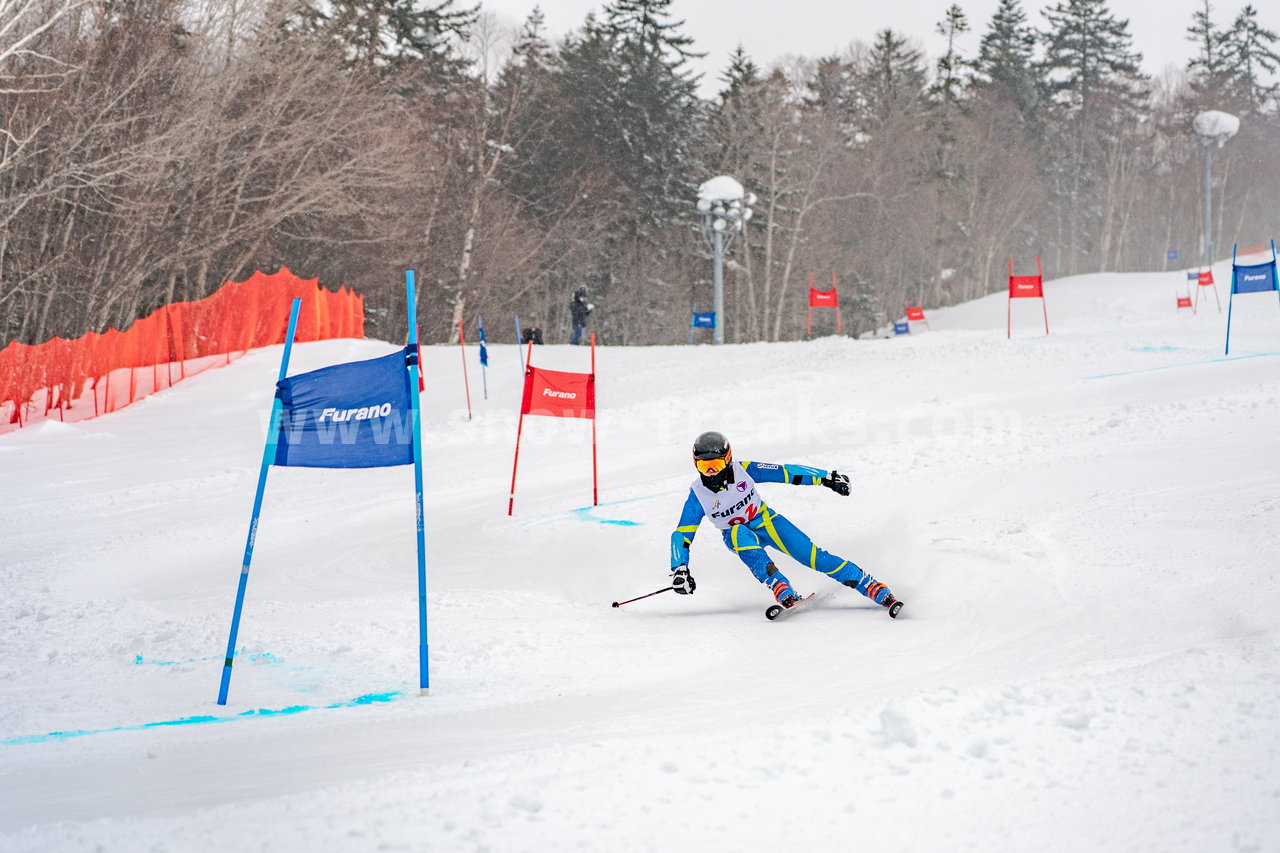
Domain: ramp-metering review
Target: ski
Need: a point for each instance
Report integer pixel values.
(776, 610)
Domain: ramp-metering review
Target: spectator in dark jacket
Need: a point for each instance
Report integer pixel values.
(580, 308)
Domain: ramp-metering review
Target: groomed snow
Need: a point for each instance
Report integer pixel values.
(1084, 527)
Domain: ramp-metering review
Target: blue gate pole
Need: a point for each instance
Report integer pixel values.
(424, 676)
(484, 367)
(268, 456)
(1230, 297)
(1274, 271)
(519, 348)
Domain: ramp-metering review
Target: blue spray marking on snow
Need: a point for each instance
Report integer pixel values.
(1187, 364)
(139, 660)
(1165, 348)
(367, 699)
(584, 514)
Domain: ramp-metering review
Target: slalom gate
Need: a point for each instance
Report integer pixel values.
(915, 314)
(1204, 278)
(823, 299)
(96, 374)
(362, 414)
(558, 394)
(1026, 287)
(1253, 278)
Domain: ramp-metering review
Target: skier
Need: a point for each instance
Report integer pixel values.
(579, 307)
(725, 491)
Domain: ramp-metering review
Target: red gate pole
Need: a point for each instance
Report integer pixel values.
(839, 330)
(1044, 303)
(466, 384)
(809, 325)
(511, 502)
(595, 483)
(1008, 320)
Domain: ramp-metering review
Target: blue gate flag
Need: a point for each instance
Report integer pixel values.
(704, 320)
(1171, 255)
(903, 328)
(354, 415)
(1255, 278)
(484, 351)
(1193, 275)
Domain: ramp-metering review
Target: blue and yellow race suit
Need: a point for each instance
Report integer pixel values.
(748, 526)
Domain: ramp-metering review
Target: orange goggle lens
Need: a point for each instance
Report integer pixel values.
(711, 466)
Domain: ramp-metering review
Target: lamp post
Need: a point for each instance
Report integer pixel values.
(1213, 129)
(725, 209)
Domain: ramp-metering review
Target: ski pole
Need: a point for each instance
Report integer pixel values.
(638, 597)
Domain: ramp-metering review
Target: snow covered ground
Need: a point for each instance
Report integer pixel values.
(1085, 528)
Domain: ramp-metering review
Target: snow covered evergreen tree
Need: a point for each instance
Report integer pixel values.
(1006, 64)
(1250, 56)
(892, 81)
(948, 81)
(1096, 97)
(1211, 77)
(652, 113)
(388, 35)
(742, 74)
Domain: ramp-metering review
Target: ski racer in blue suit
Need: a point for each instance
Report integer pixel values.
(725, 492)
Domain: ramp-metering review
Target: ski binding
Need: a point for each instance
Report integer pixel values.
(776, 610)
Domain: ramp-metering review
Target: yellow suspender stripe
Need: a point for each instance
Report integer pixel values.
(773, 533)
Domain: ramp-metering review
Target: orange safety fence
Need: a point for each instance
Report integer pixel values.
(100, 373)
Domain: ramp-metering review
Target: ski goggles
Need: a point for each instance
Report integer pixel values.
(711, 467)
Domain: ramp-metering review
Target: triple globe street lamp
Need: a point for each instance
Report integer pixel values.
(725, 207)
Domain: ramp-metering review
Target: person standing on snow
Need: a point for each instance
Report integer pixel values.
(579, 307)
(725, 492)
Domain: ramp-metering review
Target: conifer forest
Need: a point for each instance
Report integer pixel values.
(153, 149)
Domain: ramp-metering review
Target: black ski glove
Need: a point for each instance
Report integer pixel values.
(838, 483)
(682, 582)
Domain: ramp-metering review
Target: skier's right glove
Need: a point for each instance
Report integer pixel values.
(682, 582)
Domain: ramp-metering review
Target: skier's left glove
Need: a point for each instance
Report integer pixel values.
(838, 483)
(682, 582)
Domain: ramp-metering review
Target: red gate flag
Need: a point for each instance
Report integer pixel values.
(558, 394)
(1026, 287)
(1185, 302)
(823, 299)
(1205, 279)
(915, 314)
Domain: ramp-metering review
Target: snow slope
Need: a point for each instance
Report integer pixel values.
(1083, 526)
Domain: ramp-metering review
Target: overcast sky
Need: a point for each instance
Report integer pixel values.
(770, 29)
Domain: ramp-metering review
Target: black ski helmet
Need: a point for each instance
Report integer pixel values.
(712, 445)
